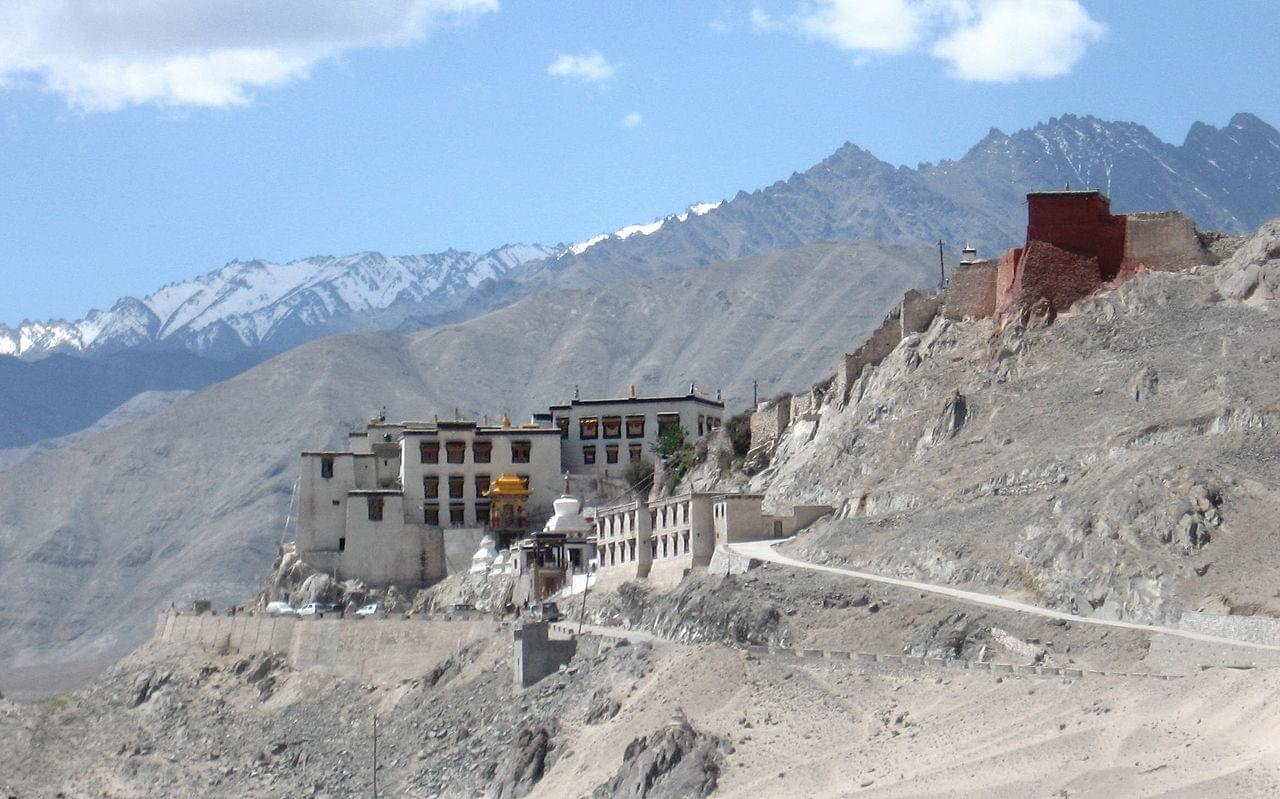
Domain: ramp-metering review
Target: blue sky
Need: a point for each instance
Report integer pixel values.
(140, 150)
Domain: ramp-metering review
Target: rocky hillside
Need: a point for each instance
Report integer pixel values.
(190, 501)
(1118, 460)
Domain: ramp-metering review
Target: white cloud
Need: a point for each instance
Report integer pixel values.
(103, 56)
(879, 26)
(632, 120)
(762, 20)
(1013, 40)
(590, 66)
(980, 40)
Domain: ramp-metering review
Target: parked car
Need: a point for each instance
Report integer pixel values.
(280, 609)
(370, 609)
(316, 609)
(543, 611)
(462, 607)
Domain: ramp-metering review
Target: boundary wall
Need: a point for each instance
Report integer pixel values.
(379, 649)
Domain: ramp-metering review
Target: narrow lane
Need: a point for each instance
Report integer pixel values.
(764, 551)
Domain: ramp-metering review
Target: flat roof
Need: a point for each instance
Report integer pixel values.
(1064, 193)
(638, 401)
(327, 452)
(369, 492)
(488, 431)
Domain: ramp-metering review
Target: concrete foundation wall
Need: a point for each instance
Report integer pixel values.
(382, 650)
(535, 655)
(769, 419)
(971, 292)
(1162, 241)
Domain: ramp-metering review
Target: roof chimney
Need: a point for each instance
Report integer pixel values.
(633, 391)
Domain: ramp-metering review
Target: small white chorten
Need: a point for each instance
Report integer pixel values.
(484, 557)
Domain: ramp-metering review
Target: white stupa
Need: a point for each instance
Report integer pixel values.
(485, 555)
(568, 520)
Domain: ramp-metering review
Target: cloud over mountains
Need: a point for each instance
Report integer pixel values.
(106, 56)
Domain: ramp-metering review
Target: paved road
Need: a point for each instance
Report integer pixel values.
(764, 550)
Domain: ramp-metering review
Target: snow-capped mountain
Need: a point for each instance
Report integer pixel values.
(697, 209)
(249, 304)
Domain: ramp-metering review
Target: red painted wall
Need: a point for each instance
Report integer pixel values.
(1079, 222)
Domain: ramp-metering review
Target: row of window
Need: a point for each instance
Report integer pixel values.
(634, 453)
(457, 514)
(590, 427)
(481, 451)
(431, 512)
(457, 482)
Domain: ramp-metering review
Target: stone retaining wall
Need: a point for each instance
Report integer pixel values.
(376, 649)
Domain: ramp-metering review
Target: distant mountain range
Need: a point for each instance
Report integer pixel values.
(1227, 179)
(255, 304)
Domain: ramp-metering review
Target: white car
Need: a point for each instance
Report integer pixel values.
(316, 609)
(370, 609)
(280, 609)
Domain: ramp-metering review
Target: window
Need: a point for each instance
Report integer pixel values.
(456, 482)
(342, 545)
(701, 421)
(482, 451)
(482, 513)
(457, 514)
(375, 509)
(431, 514)
(712, 423)
(612, 426)
(455, 451)
(482, 484)
(668, 421)
(611, 453)
(520, 451)
(635, 427)
(326, 467)
(589, 454)
(336, 503)
(429, 451)
(563, 424)
(431, 486)
(588, 427)
(635, 453)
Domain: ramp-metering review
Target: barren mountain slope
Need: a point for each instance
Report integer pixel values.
(1120, 461)
(190, 501)
(169, 722)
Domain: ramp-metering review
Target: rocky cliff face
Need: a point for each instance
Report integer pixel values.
(1115, 461)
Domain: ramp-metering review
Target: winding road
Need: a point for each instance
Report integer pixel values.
(764, 551)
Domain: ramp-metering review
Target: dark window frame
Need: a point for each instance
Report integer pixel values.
(430, 485)
(522, 451)
(610, 453)
(457, 486)
(376, 508)
(458, 447)
(611, 423)
(482, 451)
(430, 510)
(429, 451)
(326, 467)
(589, 454)
(589, 428)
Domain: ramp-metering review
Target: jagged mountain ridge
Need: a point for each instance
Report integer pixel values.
(254, 304)
(1227, 179)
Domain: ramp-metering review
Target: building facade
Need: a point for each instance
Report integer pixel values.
(602, 436)
(682, 532)
(409, 499)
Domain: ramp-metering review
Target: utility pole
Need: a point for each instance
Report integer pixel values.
(375, 756)
(586, 589)
(942, 268)
(755, 393)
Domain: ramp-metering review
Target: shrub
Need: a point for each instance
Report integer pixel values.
(738, 429)
(639, 476)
